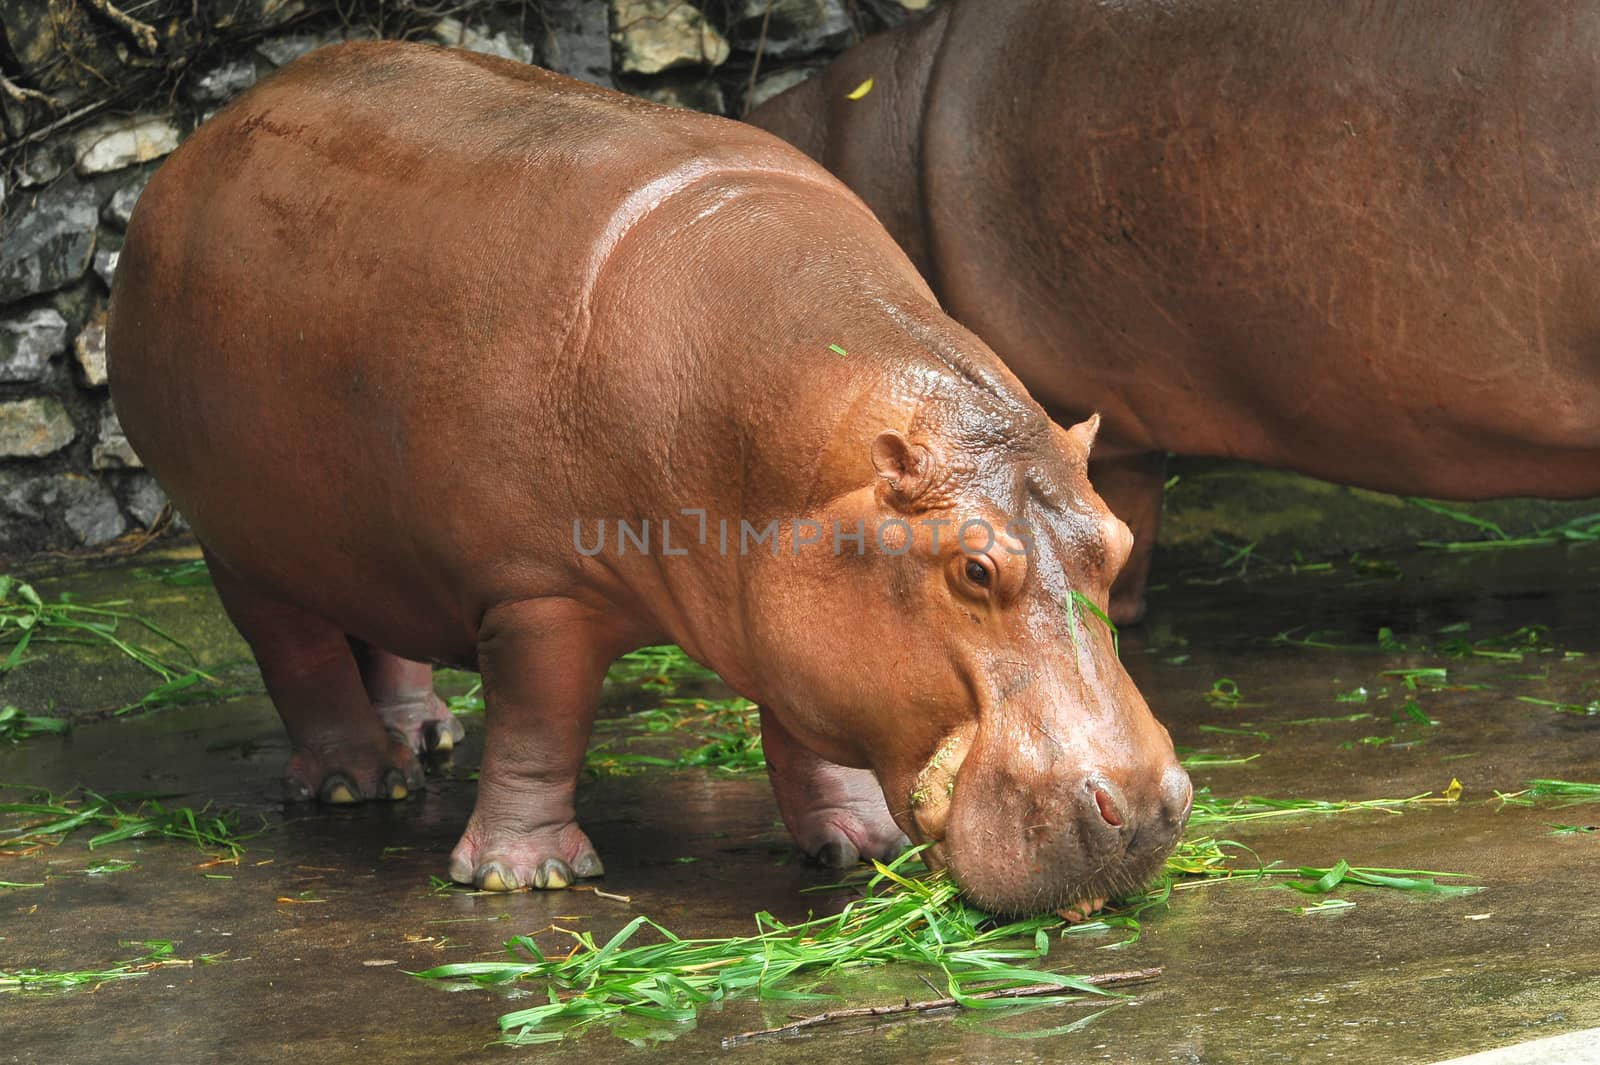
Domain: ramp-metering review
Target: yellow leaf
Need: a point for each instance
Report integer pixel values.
(1453, 792)
(859, 91)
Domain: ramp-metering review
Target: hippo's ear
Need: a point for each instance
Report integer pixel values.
(908, 468)
(1082, 435)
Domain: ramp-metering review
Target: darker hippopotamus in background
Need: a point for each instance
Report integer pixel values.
(384, 418)
(1355, 240)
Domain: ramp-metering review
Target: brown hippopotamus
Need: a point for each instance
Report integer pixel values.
(403, 327)
(1356, 240)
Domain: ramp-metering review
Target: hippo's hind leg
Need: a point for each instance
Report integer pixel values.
(837, 815)
(402, 691)
(340, 751)
(1132, 486)
(542, 661)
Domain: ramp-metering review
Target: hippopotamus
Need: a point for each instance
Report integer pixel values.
(1354, 240)
(402, 327)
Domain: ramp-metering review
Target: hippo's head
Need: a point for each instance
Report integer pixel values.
(963, 654)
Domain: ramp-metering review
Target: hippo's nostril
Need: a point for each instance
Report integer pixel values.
(1108, 807)
(1177, 795)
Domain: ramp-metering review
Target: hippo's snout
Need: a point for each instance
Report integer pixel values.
(1025, 838)
(1115, 824)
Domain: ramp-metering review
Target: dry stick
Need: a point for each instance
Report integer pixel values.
(1135, 976)
(22, 95)
(755, 67)
(143, 34)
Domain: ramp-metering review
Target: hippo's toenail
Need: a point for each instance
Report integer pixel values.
(496, 877)
(588, 865)
(337, 791)
(838, 854)
(394, 785)
(553, 875)
(439, 740)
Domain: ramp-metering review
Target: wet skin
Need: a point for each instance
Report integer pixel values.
(384, 415)
(1352, 240)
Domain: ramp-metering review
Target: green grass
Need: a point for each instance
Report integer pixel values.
(16, 726)
(47, 819)
(668, 979)
(1569, 792)
(647, 973)
(1585, 529)
(28, 621)
(158, 955)
(718, 734)
(723, 734)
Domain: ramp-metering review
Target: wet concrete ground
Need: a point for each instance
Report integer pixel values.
(324, 912)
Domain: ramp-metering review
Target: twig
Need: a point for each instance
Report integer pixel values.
(1135, 976)
(65, 120)
(143, 34)
(761, 47)
(23, 95)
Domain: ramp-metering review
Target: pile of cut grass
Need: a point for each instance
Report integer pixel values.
(646, 972)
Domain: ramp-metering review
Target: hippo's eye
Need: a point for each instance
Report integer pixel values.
(977, 573)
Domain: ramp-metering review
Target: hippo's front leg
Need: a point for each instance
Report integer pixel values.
(836, 815)
(542, 663)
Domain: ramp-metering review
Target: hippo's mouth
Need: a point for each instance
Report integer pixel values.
(933, 793)
(1009, 855)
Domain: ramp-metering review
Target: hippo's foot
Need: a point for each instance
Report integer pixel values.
(402, 691)
(422, 721)
(494, 857)
(837, 815)
(353, 773)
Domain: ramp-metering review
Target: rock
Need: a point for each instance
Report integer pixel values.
(48, 242)
(692, 95)
(454, 33)
(778, 82)
(112, 451)
(90, 350)
(577, 40)
(120, 209)
(656, 35)
(123, 142)
(145, 500)
(105, 264)
(793, 27)
(29, 342)
(86, 506)
(41, 165)
(222, 82)
(32, 428)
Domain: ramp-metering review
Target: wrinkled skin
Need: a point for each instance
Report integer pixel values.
(398, 319)
(1356, 240)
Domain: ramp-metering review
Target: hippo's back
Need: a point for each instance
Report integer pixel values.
(349, 307)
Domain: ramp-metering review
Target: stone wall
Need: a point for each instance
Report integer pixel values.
(92, 98)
